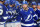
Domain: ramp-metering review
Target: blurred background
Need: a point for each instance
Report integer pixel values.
(30, 1)
(38, 1)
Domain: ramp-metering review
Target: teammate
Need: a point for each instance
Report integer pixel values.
(38, 12)
(17, 9)
(3, 9)
(11, 11)
(17, 6)
(26, 15)
(34, 5)
(10, 7)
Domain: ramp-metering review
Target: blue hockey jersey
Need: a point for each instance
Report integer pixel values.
(11, 12)
(27, 17)
(38, 12)
(3, 10)
(10, 9)
(35, 19)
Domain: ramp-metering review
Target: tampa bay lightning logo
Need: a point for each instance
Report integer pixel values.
(29, 17)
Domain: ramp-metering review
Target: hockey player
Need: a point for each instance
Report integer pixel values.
(17, 5)
(35, 10)
(26, 15)
(10, 7)
(38, 12)
(15, 11)
(3, 9)
(11, 10)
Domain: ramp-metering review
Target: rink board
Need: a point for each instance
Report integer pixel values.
(2, 24)
(12, 24)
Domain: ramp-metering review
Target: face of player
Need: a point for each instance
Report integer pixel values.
(6, 5)
(13, 5)
(1, 2)
(38, 6)
(34, 6)
(25, 6)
